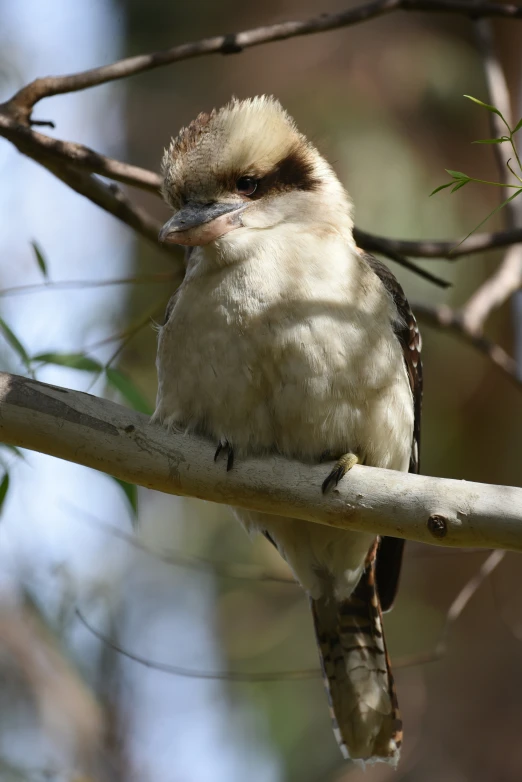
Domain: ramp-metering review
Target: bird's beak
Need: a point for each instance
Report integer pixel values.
(198, 224)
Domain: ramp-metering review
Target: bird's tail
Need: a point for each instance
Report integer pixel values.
(356, 672)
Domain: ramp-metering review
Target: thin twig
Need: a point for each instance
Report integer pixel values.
(40, 287)
(126, 334)
(135, 328)
(23, 102)
(189, 673)
(455, 610)
(235, 571)
(515, 631)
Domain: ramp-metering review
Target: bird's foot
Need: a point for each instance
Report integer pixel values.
(344, 464)
(225, 447)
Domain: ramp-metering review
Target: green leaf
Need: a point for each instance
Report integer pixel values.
(131, 492)
(4, 486)
(13, 449)
(456, 174)
(441, 187)
(15, 343)
(122, 383)
(487, 106)
(459, 185)
(491, 140)
(72, 360)
(40, 260)
(517, 126)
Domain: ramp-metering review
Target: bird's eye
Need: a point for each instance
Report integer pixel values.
(246, 185)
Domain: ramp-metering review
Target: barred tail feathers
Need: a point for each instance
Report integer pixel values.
(356, 672)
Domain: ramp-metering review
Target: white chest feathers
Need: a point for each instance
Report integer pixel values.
(288, 351)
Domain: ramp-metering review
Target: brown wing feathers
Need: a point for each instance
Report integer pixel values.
(389, 555)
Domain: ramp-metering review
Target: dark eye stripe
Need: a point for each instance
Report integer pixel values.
(294, 172)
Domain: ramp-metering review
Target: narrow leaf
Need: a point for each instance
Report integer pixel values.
(441, 187)
(491, 140)
(487, 106)
(15, 343)
(40, 260)
(4, 486)
(456, 174)
(517, 126)
(122, 383)
(131, 492)
(13, 449)
(459, 185)
(73, 360)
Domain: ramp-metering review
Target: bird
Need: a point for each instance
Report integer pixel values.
(286, 338)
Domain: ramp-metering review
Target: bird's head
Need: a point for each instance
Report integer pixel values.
(234, 174)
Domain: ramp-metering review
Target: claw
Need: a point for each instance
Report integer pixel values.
(224, 445)
(343, 466)
(230, 458)
(221, 445)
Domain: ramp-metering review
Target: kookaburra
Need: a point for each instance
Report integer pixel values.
(285, 339)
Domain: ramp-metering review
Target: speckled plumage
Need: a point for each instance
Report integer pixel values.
(283, 338)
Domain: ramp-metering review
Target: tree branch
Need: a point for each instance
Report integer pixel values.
(442, 316)
(433, 248)
(43, 148)
(23, 102)
(507, 279)
(101, 434)
(495, 291)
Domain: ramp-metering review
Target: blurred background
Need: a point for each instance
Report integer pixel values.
(176, 581)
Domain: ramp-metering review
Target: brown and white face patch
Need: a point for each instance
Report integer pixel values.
(255, 138)
(293, 172)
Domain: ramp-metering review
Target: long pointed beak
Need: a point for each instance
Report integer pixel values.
(198, 224)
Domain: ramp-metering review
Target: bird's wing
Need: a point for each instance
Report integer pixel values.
(389, 555)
